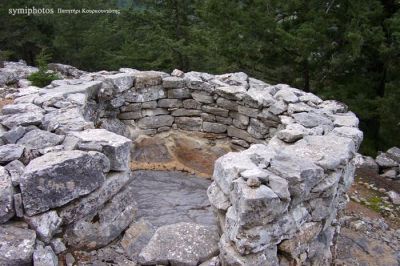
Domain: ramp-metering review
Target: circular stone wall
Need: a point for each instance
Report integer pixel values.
(67, 153)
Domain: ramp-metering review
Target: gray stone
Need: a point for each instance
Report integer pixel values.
(117, 101)
(251, 112)
(186, 112)
(115, 147)
(370, 164)
(6, 196)
(309, 97)
(192, 104)
(57, 245)
(69, 259)
(99, 229)
(217, 198)
(45, 225)
(44, 256)
(350, 132)
(177, 73)
(146, 79)
(235, 93)
(227, 104)
(215, 261)
(287, 95)
(290, 135)
(132, 107)
(136, 238)
(234, 79)
(278, 108)
(230, 256)
(13, 135)
(298, 108)
(144, 94)
(257, 129)
(57, 178)
(269, 119)
(208, 117)
(394, 197)
(310, 119)
(333, 106)
(21, 108)
(223, 120)
(16, 170)
(65, 120)
(394, 154)
(10, 152)
(182, 93)
(114, 125)
(17, 246)
(213, 127)
(170, 103)
(279, 186)
(392, 174)
(22, 119)
(130, 115)
(384, 161)
(202, 97)
(345, 120)
(39, 139)
(93, 202)
(249, 204)
(180, 244)
(156, 121)
(121, 81)
(301, 174)
(328, 151)
(239, 120)
(215, 110)
(18, 205)
(154, 112)
(228, 167)
(173, 82)
(258, 97)
(241, 134)
(189, 123)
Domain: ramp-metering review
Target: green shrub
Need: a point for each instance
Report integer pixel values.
(43, 77)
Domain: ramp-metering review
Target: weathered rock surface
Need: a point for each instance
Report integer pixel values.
(44, 256)
(6, 196)
(45, 225)
(99, 229)
(17, 246)
(40, 139)
(10, 152)
(180, 244)
(115, 147)
(59, 177)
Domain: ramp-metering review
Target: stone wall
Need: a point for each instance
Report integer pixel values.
(65, 157)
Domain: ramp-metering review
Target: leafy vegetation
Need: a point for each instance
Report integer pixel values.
(347, 50)
(43, 77)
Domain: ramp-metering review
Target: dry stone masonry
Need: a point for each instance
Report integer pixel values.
(65, 164)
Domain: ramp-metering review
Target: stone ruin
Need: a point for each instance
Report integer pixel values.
(65, 159)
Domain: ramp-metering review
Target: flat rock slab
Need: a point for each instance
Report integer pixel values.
(168, 197)
(115, 147)
(180, 244)
(16, 246)
(59, 177)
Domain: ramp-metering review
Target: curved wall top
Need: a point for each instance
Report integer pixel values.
(276, 201)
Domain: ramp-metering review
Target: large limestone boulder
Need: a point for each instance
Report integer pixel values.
(6, 196)
(100, 228)
(115, 147)
(16, 246)
(180, 244)
(56, 178)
